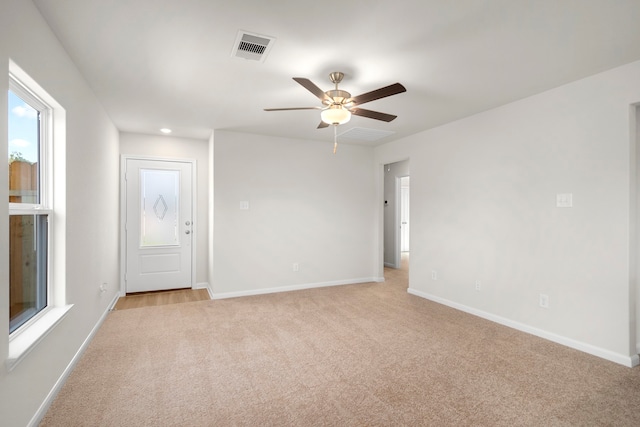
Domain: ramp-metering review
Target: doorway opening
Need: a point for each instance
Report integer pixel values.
(396, 216)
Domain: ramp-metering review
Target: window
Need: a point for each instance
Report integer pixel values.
(30, 204)
(37, 237)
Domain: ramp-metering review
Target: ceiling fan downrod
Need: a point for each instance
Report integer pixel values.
(337, 97)
(336, 77)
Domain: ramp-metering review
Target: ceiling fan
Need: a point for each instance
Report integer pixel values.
(338, 105)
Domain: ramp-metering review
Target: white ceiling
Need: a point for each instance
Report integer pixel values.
(168, 63)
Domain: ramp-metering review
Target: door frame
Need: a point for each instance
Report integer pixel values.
(397, 226)
(401, 210)
(123, 212)
(382, 168)
(634, 232)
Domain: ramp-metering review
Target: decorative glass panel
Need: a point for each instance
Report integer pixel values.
(159, 192)
(27, 267)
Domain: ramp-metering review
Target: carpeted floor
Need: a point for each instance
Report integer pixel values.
(356, 355)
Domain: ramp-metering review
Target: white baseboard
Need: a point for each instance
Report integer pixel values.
(629, 361)
(251, 292)
(110, 307)
(44, 407)
(204, 285)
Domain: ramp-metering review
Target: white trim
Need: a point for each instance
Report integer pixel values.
(27, 338)
(44, 407)
(634, 230)
(123, 210)
(253, 292)
(28, 209)
(52, 159)
(110, 307)
(204, 285)
(201, 285)
(123, 228)
(629, 361)
(397, 190)
(38, 99)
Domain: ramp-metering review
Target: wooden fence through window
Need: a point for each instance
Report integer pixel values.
(23, 188)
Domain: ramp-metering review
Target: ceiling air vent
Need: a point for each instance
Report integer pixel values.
(251, 46)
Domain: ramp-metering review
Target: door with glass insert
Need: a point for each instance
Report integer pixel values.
(158, 225)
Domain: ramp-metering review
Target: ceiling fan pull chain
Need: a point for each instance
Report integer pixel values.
(335, 138)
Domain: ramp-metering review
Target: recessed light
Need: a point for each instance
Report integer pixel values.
(165, 130)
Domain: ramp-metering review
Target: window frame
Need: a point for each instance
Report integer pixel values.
(44, 205)
(53, 134)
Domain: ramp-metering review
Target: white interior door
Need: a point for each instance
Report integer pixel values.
(158, 225)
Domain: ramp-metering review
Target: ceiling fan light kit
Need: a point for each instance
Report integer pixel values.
(338, 105)
(335, 115)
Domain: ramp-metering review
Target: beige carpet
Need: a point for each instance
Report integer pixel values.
(355, 355)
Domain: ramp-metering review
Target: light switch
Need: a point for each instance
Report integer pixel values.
(244, 205)
(564, 200)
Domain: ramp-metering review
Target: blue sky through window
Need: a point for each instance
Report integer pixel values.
(23, 129)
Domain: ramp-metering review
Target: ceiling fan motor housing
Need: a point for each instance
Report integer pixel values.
(339, 97)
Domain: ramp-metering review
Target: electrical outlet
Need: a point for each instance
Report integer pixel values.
(564, 200)
(478, 285)
(544, 301)
(434, 275)
(296, 266)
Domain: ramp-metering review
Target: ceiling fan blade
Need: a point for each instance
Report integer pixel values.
(383, 92)
(322, 125)
(311, 87)
(373, 114)
(293, 108)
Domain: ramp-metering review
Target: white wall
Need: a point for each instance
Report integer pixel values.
(392, 172)
(483, 207)
(91, 210)
(306, 206)
(165, 146)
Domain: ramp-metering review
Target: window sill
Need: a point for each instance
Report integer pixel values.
(23, 343)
